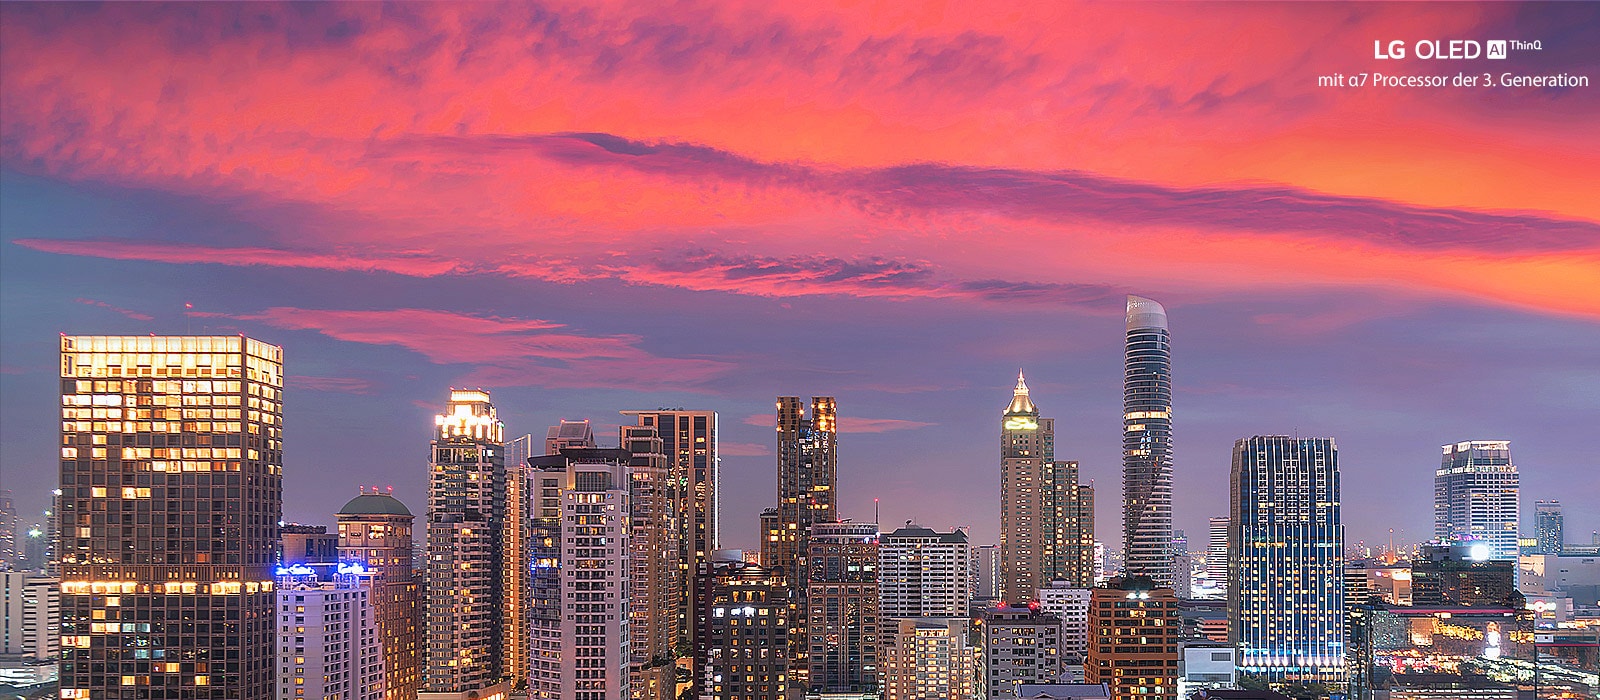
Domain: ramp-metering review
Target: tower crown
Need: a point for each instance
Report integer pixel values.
(1021, 403)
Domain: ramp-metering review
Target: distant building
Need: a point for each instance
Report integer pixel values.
(1070, 605)
(987, 576)
(1021, 644)
(808, 453)
(931, 658)
(1206, 665)
(1217, 552)
(1551, 527)
(1182, 566)
(10, 531)
(1134, 628)
(1475, 497)
(1147, 442)
(1453, 575)
(1046, 515)
(841, 630)
(924, 573)
(328, 644)
(741, 616)
(1286, 608)
(30, 605)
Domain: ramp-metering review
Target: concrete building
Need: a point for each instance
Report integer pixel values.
(1476, 497)
(841, 630)
(932, 658)
(1070, 605)
(375, 532)
(171, 476)
(1134, 629)
(1182, 566)
(1286, 610)
(924, 573)
(986, 575)
(1046, 515)
(1147, 443)
(656, 593)
(465, 626)
(328, 641)
(1552, 530)
(1205, 665)
(30, 605)
(1217, 553)
(1021, 645)
(743, 628)
(1456, 575)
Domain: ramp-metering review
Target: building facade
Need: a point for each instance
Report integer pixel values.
(328, 641)
(807, 460)
(1070, 605)
(656, 594)
(924, 573)
(741, 613)
(1021, 645)
(1147, 442)
(465, 624)
(841, 632)
(1134, 630)
(1476, 496)
(689, 442)
(1217, 552)
(987, 575)
(30, 616)
(171, 479)
(932, 658)
(375, 532)
(1551, 524)
(1046, 515)
(1286, 608)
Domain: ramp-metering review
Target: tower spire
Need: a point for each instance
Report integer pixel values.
(1021, 403)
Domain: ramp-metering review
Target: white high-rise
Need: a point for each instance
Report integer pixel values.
(1475, 496)
(924, 573)
(328, 645)
(1071, 605)
(1217, 553)
(30, 606)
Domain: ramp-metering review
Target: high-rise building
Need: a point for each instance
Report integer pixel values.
(932, 658)
(771, 534)
(1217, 553)
(1182, 566)
(30, 613)
(689, 441)
(171, 473)
(987, 577)
(1046, 516)
(841, 632)
(465, 624)
(328, 641)
(1456, 575)
(1070, 605)
(1134, 628)
(10, 531)
(807, 458)
(656, 594)
(1286, 611)
(1147, 443)
(1552, 527)
(592, 555)
(1475, 497)
(375, 532)
(1021, 645)
(923, 573)
(742, 612)
(517, 567)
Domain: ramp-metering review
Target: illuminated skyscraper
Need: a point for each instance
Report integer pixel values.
(656, 593)
(518, 569)
(1134, 628)
(1286, 611)
(465, 629)
(375, 530)
(329, 645)
(1475, 497)
(689, 442)
(807, 457)
(171, 473)
(932, 658)
(742, 611)
(1552, 526)
(1147, 443)
(1046, 516)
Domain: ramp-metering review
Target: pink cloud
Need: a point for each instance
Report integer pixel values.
(135, 315)
(849, 423)
(504, 351)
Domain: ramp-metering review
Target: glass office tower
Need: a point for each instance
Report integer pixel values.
(1147, 443)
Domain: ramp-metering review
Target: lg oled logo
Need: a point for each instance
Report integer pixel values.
(1451, 49)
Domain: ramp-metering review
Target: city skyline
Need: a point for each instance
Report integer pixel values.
(940, 222)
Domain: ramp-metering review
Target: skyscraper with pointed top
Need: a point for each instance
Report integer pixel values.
(1046, 516)
(1147, 442)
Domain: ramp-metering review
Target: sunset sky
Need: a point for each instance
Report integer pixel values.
(590, 207)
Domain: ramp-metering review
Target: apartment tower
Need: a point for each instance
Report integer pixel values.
(1147, 443)
(841, 632)
(375, 532)
(1134, 629)
(1475, 497)
(171, 480)
(1046, 516)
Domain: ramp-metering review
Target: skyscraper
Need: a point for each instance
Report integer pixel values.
(987, 577)
(1182, 566)
(375, 531)
(1070, 604)
(689, 440)
(1552, 526)
(932, 658)
(1286, 611)
(171, 473)
(10, 531)
(742, 611)
(1021, 645)
(923, 573)
(1134, 628)
(1046, 516)
(841, 629)
(1217, 553)
(1475, 496)
(656, 591)
(465, 627)
(1147, 442)
(807, 457)
(329, 645)
(516, 610)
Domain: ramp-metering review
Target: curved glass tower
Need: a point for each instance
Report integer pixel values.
(1147, 442)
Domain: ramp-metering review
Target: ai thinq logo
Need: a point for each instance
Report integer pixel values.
(1451, 49)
